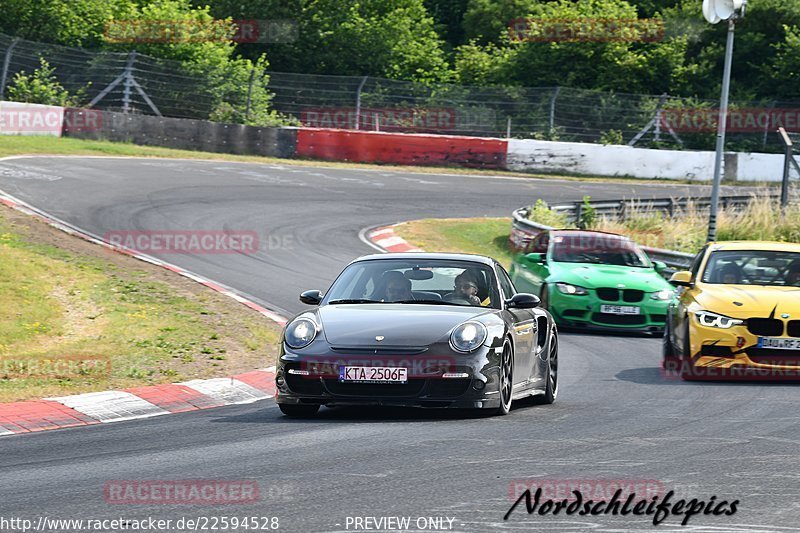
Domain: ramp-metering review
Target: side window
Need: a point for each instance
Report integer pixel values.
(539, 244)
(544, 243)
(505, 282)
(697, 261)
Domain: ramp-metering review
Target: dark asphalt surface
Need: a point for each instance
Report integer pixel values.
(617, 417)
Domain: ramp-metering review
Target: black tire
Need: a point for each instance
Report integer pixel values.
(551, 389)
(667, 350)
(298, 410)
(688, 371)
(544, 297)
(506, 379)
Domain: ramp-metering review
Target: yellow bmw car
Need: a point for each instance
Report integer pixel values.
(736, 313)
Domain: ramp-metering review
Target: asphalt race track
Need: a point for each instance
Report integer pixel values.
(617, 419)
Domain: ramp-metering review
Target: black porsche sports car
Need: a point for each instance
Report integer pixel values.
(418, 329)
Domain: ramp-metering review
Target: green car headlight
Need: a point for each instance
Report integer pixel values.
(713, 320)
(574, 290)
(664, 294)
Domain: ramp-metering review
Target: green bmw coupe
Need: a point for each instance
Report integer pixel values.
(592, 279)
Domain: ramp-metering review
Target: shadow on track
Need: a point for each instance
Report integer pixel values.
(659, 376)
(371, 414)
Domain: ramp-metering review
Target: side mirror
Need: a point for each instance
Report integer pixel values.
(535, 257)
(659, 266)
(311, 297)
(523, 300)
(682, 278)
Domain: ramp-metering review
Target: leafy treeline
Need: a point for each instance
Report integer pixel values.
(460, 41)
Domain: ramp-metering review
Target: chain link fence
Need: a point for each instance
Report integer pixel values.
(135, 83)
(128, 82)
(546, 113)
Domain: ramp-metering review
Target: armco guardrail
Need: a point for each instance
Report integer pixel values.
(620, 208)
(523, 230)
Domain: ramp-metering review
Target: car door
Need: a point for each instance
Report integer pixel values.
(529, 275)
(524, 333)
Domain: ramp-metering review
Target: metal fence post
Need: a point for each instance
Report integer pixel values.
(508, 128)
(553, 108)
(787, 143)
(358, 102)
(126, 93)
(6, 62)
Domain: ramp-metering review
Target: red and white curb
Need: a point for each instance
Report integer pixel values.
(141, 402)
(130, 404)
(385, 239)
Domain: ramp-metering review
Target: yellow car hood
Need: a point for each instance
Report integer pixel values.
(746, 301)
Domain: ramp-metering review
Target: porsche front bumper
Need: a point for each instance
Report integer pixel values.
(459, 381)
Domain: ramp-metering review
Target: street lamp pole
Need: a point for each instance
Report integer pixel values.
(721, 128)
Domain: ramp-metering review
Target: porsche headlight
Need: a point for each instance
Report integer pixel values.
(566, 288)
(468, 336)
(300, 333)
(664, 294)
(713, 320)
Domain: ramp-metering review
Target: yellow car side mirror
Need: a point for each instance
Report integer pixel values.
(682, 278)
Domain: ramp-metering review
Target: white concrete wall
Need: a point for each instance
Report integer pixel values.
(760, 167)
(30, 119)
(614, 160)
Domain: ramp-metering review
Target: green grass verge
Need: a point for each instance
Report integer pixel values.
(74, 321)
(483, 236)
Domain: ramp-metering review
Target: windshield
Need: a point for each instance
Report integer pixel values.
(418, 281)
(597, 248)
(753, 267)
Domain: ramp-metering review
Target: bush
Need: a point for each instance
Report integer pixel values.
(41, 87)
(541, 213)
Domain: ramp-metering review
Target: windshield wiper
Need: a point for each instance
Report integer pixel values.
(434, 302)
(353, 301)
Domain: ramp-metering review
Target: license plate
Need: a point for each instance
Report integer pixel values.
(373, 374)
(619, 309)
(779, 343)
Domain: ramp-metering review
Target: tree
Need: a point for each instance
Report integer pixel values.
(68, 22)
(575, 44)
(487, 21)
(385, 38)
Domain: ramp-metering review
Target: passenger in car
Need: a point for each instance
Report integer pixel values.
(793, 274)
(466, 289)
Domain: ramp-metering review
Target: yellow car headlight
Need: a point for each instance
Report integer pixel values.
(715, 320)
